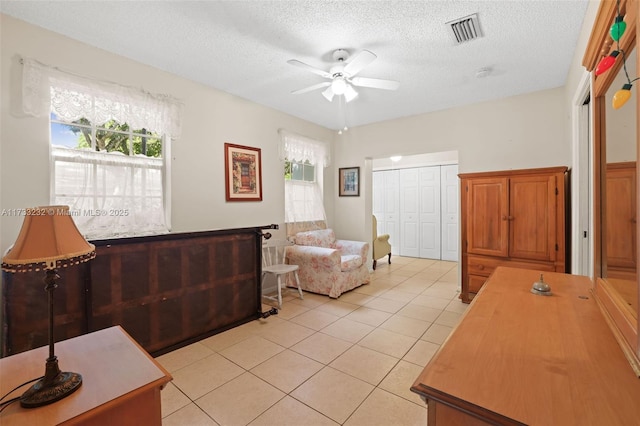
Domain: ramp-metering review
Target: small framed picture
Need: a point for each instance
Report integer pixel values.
(242, 173)
(349, 182)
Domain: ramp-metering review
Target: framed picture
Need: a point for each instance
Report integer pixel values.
(242, 173)
(349, 182)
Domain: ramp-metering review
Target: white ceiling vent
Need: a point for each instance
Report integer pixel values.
(465, 29)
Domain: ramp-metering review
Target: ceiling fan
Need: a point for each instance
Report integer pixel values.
(343, 76)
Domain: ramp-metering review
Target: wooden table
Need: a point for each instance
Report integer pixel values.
(519, 358)
(121, 383)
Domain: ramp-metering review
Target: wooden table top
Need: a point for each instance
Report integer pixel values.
(538, 360)
(111, 363)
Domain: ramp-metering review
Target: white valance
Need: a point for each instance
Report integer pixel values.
(295, 147)
(47, 89)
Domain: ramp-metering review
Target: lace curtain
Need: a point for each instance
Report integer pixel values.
(47, 89)
(299, 148)
(304, 208)
(110, 194)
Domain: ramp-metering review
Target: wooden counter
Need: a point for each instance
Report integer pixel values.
(519, 358)
(121, 383)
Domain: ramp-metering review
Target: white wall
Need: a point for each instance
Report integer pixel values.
(526, 131)
(210, 119)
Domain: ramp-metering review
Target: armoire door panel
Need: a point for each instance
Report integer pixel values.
(532, 226)
(487, 219)
(621, 215)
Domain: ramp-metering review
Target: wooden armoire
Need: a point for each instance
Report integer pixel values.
(515, 218)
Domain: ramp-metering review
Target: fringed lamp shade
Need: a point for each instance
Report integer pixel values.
(49, 239)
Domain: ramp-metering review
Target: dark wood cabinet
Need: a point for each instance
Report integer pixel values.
(165, 291)
(512, 218)
(621, 220)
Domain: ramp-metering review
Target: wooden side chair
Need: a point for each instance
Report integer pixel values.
(273, 263)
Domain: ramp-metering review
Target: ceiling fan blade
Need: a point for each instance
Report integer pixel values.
(360, 61)
(350, 93)
(311, 88)
(375, 83)
(328, 94)
(307, 67)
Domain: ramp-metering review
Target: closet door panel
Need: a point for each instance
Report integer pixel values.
(429, 212)
(450, 196)
(409, 213)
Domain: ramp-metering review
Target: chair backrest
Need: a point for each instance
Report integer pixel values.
(374, 222)
(274, 251)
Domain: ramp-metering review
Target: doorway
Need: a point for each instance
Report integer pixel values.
(416, 202)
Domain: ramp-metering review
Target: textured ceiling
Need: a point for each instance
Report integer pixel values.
(242, 47)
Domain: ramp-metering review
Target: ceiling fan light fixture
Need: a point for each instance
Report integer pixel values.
(350, 93)
(328, 94)
(339, 85)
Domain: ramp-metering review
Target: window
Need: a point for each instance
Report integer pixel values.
(110, 175)
(302, 171)
(110, 150)
(304, 160)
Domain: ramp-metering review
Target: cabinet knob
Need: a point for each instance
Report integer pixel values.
(481, 267)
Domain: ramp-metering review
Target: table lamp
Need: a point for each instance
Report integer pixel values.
(48, 240)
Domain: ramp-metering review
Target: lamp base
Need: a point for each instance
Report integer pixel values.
(54, 386)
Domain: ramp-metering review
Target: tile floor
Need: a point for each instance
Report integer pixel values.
(321, 361)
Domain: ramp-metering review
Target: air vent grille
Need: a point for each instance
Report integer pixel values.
(465, 29)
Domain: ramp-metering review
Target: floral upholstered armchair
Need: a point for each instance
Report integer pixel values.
(329, 266)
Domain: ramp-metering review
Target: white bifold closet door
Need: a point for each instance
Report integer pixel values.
(418, 208)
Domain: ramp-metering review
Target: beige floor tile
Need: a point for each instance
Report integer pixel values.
(333, 393)
(311, 300)
(346, 329)
(321, 347)
(291, 412)
(400, 379)
(437, 333)
(251, 352)
(421, 353)
(386, 305)
(228, 338)
(262, 324)
(184, 356)
(388, 342)
(205, 375)
(365, 364)
(337, 307)
(456, 305)
(442, 292)
(287, 370)
(415, 286)
(422, 313)
(407, 326)
(315, 319)
(191, 415)
(430, 301)
(355, 298)
(240, 401)
(383, 408)
(290, 310)
(172, 399)
(286, 333)
(400, 296)
(448, 318)
(372, 290)
(369, 316)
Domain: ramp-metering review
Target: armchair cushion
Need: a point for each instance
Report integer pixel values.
(319, 238)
